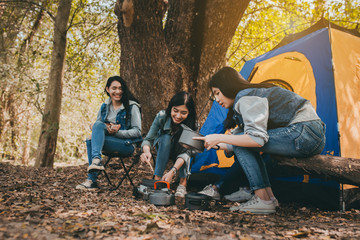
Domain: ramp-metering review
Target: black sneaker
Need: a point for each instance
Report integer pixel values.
(87, 185)
(96, 165)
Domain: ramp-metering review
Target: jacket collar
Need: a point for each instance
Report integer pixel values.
(167, 125)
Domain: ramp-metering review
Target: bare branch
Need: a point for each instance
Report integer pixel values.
(37, 5)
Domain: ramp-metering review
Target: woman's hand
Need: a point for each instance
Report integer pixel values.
(210, 141)
(112, 128)
(168, 176)
(145, 157)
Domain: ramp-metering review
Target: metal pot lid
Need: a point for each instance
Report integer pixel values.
(197, 196)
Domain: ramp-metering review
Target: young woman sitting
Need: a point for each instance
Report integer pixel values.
(117, 128)
(164, 134)
(271, 120)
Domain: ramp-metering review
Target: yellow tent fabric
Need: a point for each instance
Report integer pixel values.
(346, 60)
(292, 67)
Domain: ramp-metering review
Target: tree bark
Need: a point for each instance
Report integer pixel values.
(51, 117)
(221, 20)
(13, 122)
(344, 170)
(158, 61)
(26, 145)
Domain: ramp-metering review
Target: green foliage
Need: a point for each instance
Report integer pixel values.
(266, 23)
(92, 56)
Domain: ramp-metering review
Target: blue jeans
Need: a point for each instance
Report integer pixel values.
(163, 150)
(302, 139)
(100, 140)
(232, 180)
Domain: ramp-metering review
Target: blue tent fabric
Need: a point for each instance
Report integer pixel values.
(212, 124)
(316, 47)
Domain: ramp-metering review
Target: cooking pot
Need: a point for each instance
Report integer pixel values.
(186, 140)
(146, 187)
(151, 182)
(162, 197)
(196, 201)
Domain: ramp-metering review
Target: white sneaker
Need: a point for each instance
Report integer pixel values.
(180, 191)
(241, 195)
(276, 202)
(256, 205)
(96, 165)
(87, 185)
(211, 192)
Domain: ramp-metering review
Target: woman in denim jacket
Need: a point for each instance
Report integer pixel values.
(117, 128)
(164, 134)
(271, 120)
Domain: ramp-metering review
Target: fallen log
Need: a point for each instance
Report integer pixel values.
(341, 169)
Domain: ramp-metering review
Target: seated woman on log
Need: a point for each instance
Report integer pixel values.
(271, 120)
(117, 128)
(164, 134)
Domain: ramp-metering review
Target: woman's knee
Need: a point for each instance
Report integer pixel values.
(98, 125)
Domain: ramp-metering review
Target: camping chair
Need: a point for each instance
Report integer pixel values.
(116, 155)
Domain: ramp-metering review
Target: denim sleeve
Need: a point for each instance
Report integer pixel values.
(154, 129)
(98, 118)
(135, 125)
(255, 114)
(230, 151)
(185, 156)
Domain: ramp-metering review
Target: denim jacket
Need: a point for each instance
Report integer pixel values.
(260, 109)
(161, 125)
(131, 129)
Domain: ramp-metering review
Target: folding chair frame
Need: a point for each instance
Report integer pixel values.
(135, 159)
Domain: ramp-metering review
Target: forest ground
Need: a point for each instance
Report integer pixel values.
(44, 204)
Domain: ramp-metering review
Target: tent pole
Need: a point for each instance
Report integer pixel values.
(342, 201)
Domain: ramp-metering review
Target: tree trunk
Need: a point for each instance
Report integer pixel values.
(26, 145)
(51, 117)
(344, 170)
(14, 128)
(221, 20)
(158, 61)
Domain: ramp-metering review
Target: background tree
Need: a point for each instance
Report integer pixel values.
(14, 107)
(92, 55)
(159, 61)
(51, 115)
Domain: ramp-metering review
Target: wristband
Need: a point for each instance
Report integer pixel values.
(174, 170)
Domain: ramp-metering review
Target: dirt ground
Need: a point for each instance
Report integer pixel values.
(44, 204)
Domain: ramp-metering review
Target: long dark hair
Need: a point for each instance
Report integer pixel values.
(184, 98)
(126, 96)
(230, 82)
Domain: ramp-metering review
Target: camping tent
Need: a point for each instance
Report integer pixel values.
(324, 67)
(321, 64)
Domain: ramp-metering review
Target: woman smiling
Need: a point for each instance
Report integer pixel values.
(164, 134)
